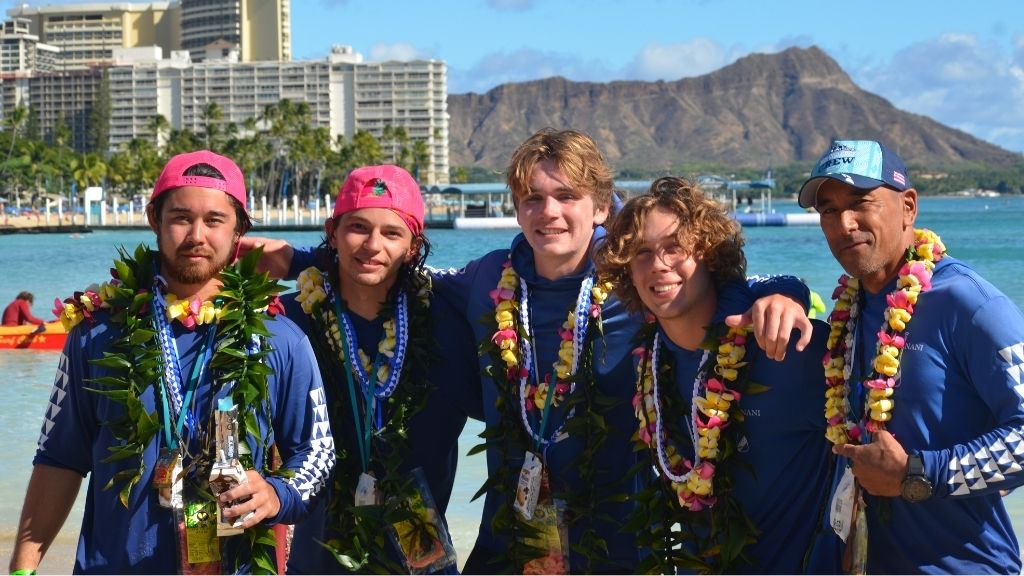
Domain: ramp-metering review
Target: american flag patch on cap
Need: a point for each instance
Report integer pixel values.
(898, 178)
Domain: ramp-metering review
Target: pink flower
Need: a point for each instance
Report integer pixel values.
(899, 299)
(595, 310)
(516, 372)
(58, 307)
(500, 294)
(920, 271)
(880, 383)
(502, 335)
(639, 351)
(895, 340)
(854, 433)
(565, 334)
(706, 470)
(561, 388)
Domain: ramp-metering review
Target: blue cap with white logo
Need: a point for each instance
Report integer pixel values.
(863, 164)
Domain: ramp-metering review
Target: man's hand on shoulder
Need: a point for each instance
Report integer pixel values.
(277, 254)
(774, 318)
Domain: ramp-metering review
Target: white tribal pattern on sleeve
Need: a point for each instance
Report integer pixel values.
(311, 476)
(57, 395)
(1004, 456)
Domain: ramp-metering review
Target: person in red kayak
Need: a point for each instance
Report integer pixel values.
(19, 312)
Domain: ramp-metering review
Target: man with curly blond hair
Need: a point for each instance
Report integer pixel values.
(737, 438)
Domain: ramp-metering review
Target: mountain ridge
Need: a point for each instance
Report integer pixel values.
(763, 109)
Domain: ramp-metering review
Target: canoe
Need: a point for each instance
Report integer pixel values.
(22, 337)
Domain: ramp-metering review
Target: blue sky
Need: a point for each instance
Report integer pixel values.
(959, 62)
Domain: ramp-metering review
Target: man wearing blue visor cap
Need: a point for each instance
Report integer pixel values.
(923, 381)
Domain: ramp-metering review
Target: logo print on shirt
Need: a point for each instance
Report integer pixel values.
(1014, 356)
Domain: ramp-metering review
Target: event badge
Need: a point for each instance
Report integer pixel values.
(551, 536)
(167, 477)
(201, 532)
(366, 490)
(423, 539)
(841, 514)
(528, 488)
(227, 472)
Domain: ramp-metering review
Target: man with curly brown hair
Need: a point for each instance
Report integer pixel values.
(737, 438)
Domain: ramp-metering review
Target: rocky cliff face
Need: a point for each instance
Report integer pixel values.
(763, 109)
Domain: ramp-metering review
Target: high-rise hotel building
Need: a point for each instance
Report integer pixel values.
(174, 58)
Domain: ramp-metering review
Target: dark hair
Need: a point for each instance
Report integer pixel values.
(325, 259)
(242, 221)
(705, 231)
(26, 295)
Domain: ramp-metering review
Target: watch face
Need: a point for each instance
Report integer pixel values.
(916, 489)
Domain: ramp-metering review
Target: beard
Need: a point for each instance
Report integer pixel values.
(181, 270)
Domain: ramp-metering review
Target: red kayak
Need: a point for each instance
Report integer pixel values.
(24, 337)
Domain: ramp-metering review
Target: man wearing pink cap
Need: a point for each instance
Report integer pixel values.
(176, 381)
(397, 398)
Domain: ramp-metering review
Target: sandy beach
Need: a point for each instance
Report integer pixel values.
(59, 559)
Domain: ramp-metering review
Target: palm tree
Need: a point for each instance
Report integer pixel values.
(159, 127)
(14, 122)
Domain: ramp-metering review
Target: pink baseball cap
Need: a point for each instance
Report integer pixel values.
(385, 186)
(173, 175)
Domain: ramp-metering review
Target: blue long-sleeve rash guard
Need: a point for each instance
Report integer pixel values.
(784, 463)
(466, 292)
(141, 538)
(959, 405)
(433, 432)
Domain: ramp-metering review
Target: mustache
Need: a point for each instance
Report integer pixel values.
(192, 250)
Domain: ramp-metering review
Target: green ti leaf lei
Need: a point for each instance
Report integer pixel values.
(712, 540)
(135, 365)
(512, 441)
(357, 536)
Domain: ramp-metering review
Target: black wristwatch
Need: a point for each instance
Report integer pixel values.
(916, 487)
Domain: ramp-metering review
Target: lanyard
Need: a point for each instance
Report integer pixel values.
(182, 410)
(363, 423)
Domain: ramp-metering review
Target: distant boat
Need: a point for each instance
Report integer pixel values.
(24, 337)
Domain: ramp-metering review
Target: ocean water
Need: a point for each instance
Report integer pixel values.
(985, 232)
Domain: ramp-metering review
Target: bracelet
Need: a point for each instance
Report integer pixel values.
(23, 572)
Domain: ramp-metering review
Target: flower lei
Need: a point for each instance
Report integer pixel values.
(572, 333)
(190, 313)
(136, 364)
(354, 534)
(914, 278)
(511, 363)
(693, 481)
(701, 512)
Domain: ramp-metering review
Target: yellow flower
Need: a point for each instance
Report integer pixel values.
(509, 357)
(898, 318)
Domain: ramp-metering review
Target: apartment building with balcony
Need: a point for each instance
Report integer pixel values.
(259, 29)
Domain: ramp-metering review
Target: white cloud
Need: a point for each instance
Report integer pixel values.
(400, 51)
(975, 86)
(679, 60)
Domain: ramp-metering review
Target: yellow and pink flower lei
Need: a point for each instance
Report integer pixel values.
(712, 403)
(914, 278)
(507, 337)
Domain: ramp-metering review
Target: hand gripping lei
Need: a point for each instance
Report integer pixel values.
(914, 278)
(357, 539)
